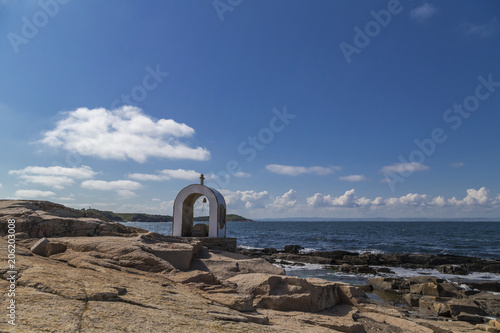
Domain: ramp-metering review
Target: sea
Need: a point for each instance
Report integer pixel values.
(475, 239)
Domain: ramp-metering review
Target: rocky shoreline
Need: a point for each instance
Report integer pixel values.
(78, 273)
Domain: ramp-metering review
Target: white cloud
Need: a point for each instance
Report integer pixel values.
(123, 133)
(438, 201)
(353, 178)
(285, 201)
(411, 199)
(457, 164)
(56, 176)
(298, 170)
(34, 194)
(423, 13)
(348, 199)
(181, 174)
(124, 188)
(246, 199)
(403, 168)
(480, 30)
(167, 174)
(474, 198)
(126, 194)
(115, 185)
(1, 185)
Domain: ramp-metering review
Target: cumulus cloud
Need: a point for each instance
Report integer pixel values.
(348, 199)
(246, 199)
(353, 178)
(411, 199)
(34, 194)
(285, 201)
(423, 13)
(123, 133)
(298, 170)
(474, 198)
(123, 188)
(56, 176)
(402, 168)
(480, 30)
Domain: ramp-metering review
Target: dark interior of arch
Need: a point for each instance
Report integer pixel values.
(188, 214)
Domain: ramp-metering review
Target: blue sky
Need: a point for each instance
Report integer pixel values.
(290, 108)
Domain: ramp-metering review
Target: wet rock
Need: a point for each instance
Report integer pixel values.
(486, 285)
(470, 318)
(302, 259)
(452, 269)
(384, 270)
(293, 249)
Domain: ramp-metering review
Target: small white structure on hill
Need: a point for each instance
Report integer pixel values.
(184, 207)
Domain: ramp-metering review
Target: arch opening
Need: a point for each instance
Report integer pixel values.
(184, 211)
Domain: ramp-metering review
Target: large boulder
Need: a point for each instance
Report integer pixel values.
(149, 252)
(47, 219)
(286, 293)
(224, 264)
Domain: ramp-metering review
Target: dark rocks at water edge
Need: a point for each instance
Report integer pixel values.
(444, 263)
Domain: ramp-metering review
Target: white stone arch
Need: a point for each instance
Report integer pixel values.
(184, 208)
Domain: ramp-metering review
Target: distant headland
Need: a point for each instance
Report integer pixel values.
(140, 217)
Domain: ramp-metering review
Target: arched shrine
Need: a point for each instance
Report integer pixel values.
(184, 209)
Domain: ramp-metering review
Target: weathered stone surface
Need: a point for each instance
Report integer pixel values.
(200, 230)
(411, 300)
(386, 283)
(351, 295)
(287, 293)
(457, 306)
(495, 323)
(40, 247)
(225, 264)
(55, 247)
(47, 219)
(121, 253)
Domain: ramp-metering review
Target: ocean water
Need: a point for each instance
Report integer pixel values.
(476, 239)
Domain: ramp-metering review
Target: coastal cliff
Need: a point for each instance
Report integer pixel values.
(75, 273)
